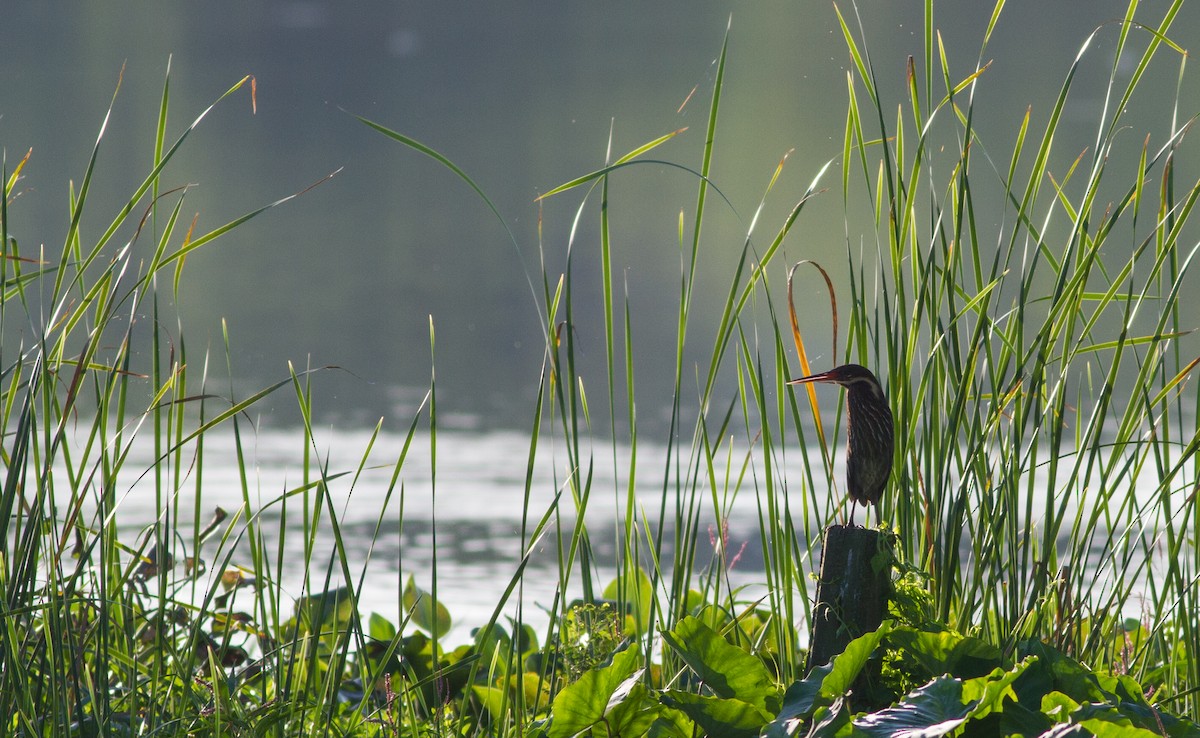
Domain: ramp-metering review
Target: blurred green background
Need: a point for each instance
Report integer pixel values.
(523, 97)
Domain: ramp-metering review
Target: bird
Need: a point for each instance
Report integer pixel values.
(869, 433)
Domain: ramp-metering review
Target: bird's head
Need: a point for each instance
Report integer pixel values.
(853, 377)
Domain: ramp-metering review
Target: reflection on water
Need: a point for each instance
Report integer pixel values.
(462, 525)
(523, 97)
(465, 522)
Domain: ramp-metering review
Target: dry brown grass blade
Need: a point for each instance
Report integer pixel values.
(805, 368)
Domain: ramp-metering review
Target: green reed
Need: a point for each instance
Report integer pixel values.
(1046, 435)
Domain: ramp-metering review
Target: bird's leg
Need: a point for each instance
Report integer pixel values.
(853, 507)
(878, 516)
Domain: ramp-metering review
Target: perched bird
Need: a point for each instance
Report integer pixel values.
(869, 433)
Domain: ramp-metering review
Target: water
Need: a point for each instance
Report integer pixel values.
(523, 98)
(471, 509)
(463, 524)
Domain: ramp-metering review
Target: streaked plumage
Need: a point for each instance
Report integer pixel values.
(869, 432)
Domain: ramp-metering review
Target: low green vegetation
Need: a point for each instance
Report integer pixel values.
(1043, 494)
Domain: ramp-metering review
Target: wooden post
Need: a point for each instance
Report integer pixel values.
(851, 595)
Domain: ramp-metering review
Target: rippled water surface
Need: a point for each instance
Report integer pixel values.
(467, 516)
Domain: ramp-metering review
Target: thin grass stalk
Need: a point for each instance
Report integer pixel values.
(685, 523)
(775, 532)
(433, 428)
(632, 513)
(572, 407)
(324, 504)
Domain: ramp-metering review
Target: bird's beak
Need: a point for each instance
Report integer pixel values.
(822, 377)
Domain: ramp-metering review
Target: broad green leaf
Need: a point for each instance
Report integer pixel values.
(946, 652)
(833, 722)
(718, 716)
(534, 687)
(1120, 719)
(943, 705)
(850, 662)
(1057, 671)
(635, 709)
(492, 644)
(1017, 719)
(527, 640)
(426, 612)
(726, 669)
(581, 705)
(1106, 721)
(933, 710)
(380, 628)
(635, 591)
(671, 723)
(1058, 705)
(826, 684)
(803, 697)
(989, 692)
(492, 699)
(318, 609)
(488, 640)
(826, 720)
